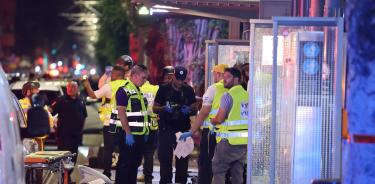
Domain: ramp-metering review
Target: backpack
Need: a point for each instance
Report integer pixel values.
(37, 118)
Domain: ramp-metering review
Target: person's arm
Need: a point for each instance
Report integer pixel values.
(122, 102)
(54, 109)
(225, 106)
(204, 112)
(192, 101)
(104, 79)
(50, 117)
(159, 99)
(220, 117)
(90, 92)
(124, 119)
(202, 115)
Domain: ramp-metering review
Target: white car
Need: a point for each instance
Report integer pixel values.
(51, 89)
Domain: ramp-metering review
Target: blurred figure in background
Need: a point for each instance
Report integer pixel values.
(245, 75)
(71, 110)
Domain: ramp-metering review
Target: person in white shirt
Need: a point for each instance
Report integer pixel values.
(108, 91)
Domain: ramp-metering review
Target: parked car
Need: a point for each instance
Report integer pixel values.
(50, 89)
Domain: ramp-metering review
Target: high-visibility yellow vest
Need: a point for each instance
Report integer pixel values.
(220, 90)
(149, 92)
(235, 127)
(136, 110)
(106, 108)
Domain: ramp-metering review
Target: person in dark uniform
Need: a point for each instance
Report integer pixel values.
(174, 103)
(132, 112)
(71, 110)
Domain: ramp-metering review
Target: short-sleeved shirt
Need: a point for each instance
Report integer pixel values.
(226, 103)
(121, 97)
(72, 113)
(209, 95)
(175, 121)
(105, 91)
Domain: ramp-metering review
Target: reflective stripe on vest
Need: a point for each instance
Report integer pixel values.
(235, 127)
(235, 123)
(228, 135)
(136, 97)
(149, 92)
(220, 90)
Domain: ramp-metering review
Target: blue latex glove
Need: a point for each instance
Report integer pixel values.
(129, 139)
(185, 109)
(185, 135)
(168, 109)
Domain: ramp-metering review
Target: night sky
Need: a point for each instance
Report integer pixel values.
(38, 23)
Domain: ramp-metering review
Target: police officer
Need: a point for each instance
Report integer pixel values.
(210, 106)
(132, 112)
(149, 92)
(174, 103)
(125, 62)
(107, 91)
(230, 153)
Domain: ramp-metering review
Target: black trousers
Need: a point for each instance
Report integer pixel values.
(129, 160)
(206, 153)
(167, 142)
(68, 141)
(148, 156)
(109, 140)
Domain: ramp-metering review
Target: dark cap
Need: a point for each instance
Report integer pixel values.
(180, 72)
(125, 60)
(168, 70)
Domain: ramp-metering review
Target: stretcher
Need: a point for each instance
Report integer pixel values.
(54, 161)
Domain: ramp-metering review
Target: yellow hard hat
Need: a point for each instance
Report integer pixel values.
(219, 68)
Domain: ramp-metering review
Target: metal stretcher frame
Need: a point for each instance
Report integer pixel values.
(53, 165)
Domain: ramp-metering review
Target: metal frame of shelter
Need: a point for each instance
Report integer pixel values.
(330, 160)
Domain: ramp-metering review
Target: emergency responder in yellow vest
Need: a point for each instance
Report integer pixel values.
(231, 136)
(149, 92)
(108, 91)
(132, 111)
(29, 89)
(210, 106)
